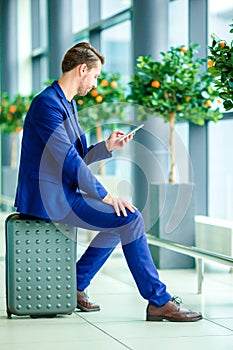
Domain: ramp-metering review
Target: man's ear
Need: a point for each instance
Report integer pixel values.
(82, 69)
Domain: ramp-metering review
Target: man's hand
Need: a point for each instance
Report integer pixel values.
(114, 143)
(119, 205)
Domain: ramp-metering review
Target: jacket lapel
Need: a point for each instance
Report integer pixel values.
(72, 117)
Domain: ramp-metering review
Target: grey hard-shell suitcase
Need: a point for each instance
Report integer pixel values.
(40, 267)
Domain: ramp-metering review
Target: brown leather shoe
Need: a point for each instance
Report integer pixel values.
(171, 311)
(84, 304)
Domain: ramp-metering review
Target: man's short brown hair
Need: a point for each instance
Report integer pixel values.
(81, 53)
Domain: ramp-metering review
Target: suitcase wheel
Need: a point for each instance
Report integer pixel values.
(9, 314)
(43, 316)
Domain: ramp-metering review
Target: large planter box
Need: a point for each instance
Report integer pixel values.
(172, 217)
(9, 181)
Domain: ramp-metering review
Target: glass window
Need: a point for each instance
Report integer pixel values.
(112, 7)
(220, 137)
(221, 170)
(219, 20)
(183, 162)
(178, 23)
(80, 15)
(220, 16)
(39, 44)
(115, 46)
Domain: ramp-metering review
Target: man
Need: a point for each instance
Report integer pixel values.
(55, 183)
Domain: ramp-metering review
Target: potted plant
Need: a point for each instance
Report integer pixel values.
(177, 88)
(220, 64)
(12, 113)
(102, 105)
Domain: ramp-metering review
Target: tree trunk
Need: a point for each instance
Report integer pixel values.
(99, 137)
(13, 162)
(172, 147)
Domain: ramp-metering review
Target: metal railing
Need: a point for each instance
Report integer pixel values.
(195, 252)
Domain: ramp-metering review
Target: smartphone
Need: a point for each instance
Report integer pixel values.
(131, 132)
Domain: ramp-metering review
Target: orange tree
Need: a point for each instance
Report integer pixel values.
(13, 111)
(176, 88)
(101, 104)
(221, 66)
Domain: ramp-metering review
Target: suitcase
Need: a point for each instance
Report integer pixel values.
(40, 267)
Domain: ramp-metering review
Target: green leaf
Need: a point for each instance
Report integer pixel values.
(223, 95)
(228, 104)
(213, 70)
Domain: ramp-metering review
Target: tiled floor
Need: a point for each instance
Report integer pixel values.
(121, 322)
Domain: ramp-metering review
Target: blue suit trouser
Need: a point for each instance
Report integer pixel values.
(92, 214)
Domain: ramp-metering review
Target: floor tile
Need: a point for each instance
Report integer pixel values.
(150, 330)
(99, 344)
(224, 322)
(182, 343)
(118, 307)
(59, 329)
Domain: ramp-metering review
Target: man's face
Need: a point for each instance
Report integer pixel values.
(88, 79)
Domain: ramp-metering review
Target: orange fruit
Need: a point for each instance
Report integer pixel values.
(208, 103)
(183, 49)
(104, 83)
(80, 102)
(9, 116)
(222, 44)
(99, 99)
(94, 93)
(114, 84)
(19, 128)
(155, 84)
(12, 109)
(187, 98)
(210, 63)
(178, 108)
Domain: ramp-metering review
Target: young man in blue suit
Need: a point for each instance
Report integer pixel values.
(55, 183)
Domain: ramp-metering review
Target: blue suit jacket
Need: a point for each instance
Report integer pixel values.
(54, 158)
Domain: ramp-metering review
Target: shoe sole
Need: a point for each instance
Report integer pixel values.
(83, 308)
(160, 318)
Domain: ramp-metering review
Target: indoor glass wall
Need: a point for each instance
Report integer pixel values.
(80, 15)
(178, 22)
(178, 35)
(39, 44)
(115, 46)
(112, 7)
(220, 142)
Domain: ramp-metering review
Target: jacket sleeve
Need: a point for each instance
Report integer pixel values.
(50, 126)
(96, 152)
